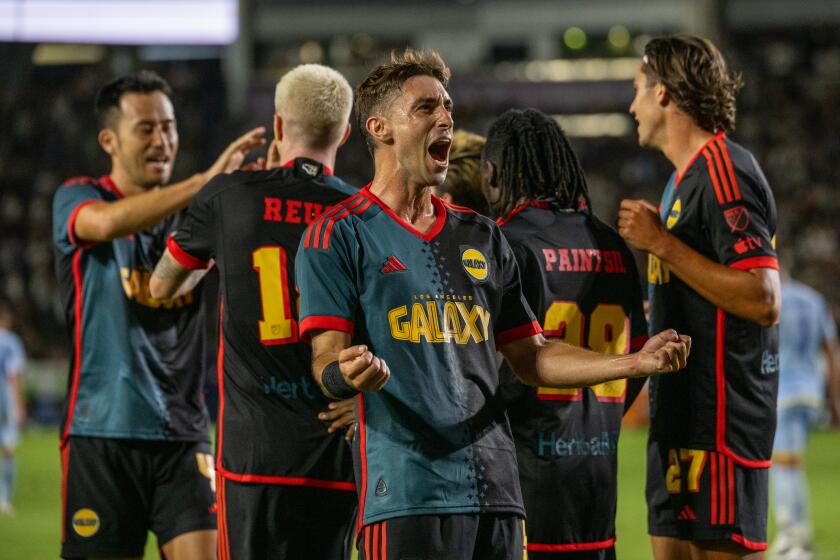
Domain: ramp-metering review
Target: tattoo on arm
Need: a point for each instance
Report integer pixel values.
(169, 269)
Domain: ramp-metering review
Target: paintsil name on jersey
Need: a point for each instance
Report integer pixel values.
(610, 261)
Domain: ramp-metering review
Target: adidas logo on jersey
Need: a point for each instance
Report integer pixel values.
(687, 514)
(393, 264)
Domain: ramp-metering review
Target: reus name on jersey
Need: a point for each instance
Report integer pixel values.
(250, 224)
(581, 280)
(725, 398)
(435, 306)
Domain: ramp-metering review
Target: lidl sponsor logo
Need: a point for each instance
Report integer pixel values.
(474, 263)
(674, 214)
(85, 522)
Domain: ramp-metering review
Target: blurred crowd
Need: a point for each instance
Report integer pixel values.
(787, 118)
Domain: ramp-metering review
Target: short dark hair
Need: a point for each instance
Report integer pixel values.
(387, 78)
(107, 103)
(696, 76)
(534, 160)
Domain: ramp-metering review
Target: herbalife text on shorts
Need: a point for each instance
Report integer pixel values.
(577, 445)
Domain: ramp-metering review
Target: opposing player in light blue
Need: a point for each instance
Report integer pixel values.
(12, 359)
(807, 330)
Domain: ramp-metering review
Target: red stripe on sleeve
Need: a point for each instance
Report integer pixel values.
(735, 189)
(721, 173)
(718, 194)
(518, 333)
(184, 259)
(316, 322)
(756, 262)
(71, 225)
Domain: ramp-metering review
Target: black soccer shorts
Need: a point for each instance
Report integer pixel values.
(701, 495)
(284, 521)
(114, 491)
(483, 536)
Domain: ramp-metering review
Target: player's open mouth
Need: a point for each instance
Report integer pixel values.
(439, 151)
(157, 161)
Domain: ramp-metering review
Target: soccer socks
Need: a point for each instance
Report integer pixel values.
(790, 494)
(7, 480)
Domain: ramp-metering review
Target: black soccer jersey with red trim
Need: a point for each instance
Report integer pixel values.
(581, 280)
(725, 399)
(435, 306)
(250, 223)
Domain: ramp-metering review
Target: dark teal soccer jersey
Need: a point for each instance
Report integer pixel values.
(434, 306)
(136, 369)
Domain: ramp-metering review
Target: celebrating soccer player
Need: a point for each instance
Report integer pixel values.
(713, 273)
(135, 446)
(581, 280)
(431, 292)
(285, 485)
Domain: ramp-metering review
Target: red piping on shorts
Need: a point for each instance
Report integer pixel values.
(571, 547)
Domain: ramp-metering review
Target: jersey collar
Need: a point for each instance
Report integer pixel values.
(681, 174)
(110, 186)
(293, 162)
(537, 203)
(440, 215)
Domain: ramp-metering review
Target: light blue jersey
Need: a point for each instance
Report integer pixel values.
(12, 359)
(806, 324)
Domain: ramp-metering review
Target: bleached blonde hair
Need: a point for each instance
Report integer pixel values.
(315, 103)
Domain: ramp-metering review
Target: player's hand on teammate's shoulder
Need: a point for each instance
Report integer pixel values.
(665, 352)
(639, 224)
(233, 156)
(341, 415)
(362, 369)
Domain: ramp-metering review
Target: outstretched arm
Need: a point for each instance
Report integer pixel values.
(551, 363)
(103, 221)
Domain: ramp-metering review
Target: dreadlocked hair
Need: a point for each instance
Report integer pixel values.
(534, 160)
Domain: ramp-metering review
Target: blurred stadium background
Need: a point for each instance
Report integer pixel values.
(571, 58)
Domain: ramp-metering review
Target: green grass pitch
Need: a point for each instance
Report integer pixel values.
(33, 533)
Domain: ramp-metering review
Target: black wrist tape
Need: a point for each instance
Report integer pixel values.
(334, 382)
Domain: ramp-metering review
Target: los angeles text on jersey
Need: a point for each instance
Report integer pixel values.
(440, 318)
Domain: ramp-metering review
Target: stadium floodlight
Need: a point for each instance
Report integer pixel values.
(120, 22)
